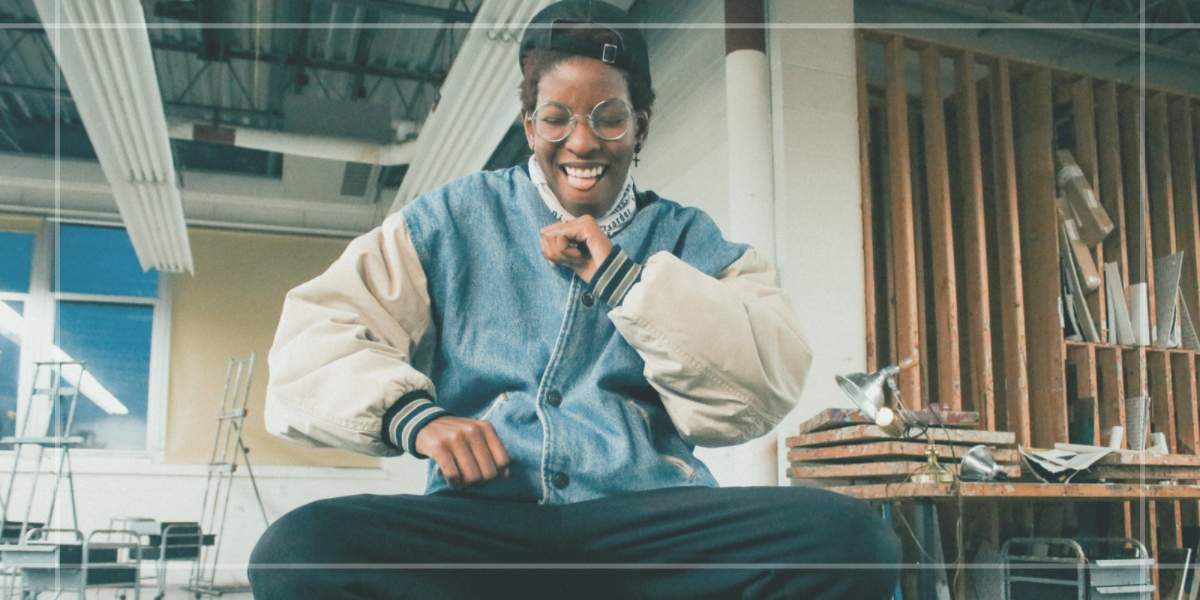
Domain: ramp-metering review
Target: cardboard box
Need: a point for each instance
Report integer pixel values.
(1089, 276)
(1094, 224)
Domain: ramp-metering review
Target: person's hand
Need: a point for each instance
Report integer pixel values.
(578, 244)
(468, 452)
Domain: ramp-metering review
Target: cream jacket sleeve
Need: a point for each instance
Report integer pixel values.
(725, 353)
(351, 343)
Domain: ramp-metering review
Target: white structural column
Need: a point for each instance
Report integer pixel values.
(748, 119)
(751, 189)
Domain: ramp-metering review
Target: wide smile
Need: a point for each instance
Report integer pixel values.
(583, 178)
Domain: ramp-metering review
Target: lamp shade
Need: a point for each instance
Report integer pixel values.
(978, 464)
(865, 390)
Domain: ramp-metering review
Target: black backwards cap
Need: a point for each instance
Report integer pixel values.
(628, 55)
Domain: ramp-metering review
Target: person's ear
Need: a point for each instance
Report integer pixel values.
(643, 127)
(528, 122)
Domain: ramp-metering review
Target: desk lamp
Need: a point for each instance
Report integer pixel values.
(867, 392)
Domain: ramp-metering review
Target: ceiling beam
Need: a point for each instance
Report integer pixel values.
(434, 77)
(198, 49)
(448, 15)
(49, 94)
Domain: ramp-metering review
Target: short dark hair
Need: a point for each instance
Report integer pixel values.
(537, 62)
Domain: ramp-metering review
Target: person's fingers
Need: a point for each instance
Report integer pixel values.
(482, 454)
(464, 457)
(496, 447)
(445, 461)
(554, 243)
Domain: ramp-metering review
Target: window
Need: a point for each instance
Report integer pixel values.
(77, 292)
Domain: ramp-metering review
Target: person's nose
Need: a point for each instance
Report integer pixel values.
(582, 141)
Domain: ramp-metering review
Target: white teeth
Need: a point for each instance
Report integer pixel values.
(577, 172)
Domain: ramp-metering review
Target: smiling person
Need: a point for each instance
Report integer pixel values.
(556, 341)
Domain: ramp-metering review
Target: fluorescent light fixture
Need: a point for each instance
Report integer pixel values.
(104, 52)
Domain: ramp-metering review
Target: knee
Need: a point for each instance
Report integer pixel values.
(296, 537)
(870, 548)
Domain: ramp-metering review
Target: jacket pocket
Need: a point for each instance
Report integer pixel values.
(683, 466)
(492, 407)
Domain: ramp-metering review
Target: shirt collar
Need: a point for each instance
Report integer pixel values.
(614, 220)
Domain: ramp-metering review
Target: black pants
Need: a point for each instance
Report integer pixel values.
(693, 543)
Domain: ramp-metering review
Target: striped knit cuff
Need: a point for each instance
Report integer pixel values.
(614, 277)
(406, 417)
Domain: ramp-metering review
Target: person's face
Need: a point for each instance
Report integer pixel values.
(584, 171)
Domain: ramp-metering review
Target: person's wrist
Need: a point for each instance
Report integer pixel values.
(614, 276)
(405, 419)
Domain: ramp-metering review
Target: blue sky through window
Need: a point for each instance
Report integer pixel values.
(101, 260)
(114, 342)
(16, 260)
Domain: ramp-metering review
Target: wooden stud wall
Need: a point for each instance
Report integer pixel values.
(962, 252)
(981, 395)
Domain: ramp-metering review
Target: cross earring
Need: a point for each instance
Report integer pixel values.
(636, 150)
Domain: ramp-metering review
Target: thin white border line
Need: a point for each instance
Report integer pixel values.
(500, 26)
(659, 566)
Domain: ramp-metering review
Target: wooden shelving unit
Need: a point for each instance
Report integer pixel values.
(962, 261)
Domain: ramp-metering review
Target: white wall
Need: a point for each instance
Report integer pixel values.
(685, 154)
(108, 487)
(817, 197)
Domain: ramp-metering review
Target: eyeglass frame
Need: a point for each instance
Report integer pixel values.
(575, 120)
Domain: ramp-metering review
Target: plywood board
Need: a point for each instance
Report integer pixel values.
(901, 205)
(831, 418)
(1008, 228)
(1014, 491)
(978, 310)
(1183, 383)
(883, 451)
(1158, 171)
(879, 470)
(941, 234)
(871, 433)
(1110, 189)
(1087, 155)
(868, 218)
(1110, 385)
(1186, 203)
(1034, 133)
(1162, 407)
(1146, 474)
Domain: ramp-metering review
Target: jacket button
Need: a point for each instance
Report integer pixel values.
(561, 480)
(554, 398)
(588, 299)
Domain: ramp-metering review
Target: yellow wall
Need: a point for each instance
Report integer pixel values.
(230, 308)
(10, 222)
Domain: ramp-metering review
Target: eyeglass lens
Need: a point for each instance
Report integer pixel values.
(610, 120)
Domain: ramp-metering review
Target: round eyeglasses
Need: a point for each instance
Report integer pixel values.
(610, 120)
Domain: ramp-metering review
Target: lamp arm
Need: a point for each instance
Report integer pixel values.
(903, 410)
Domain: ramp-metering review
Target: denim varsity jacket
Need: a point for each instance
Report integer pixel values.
(682, 338)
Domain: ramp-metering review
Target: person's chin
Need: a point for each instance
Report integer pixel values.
(596, 199)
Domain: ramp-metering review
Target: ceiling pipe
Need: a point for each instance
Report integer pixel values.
(298, 144)
(104, 52)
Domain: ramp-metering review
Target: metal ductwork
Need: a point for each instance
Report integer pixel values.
(312, 146)
(104, 52)
(478, 100)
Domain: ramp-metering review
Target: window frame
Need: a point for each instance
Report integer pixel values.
(40, 312)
